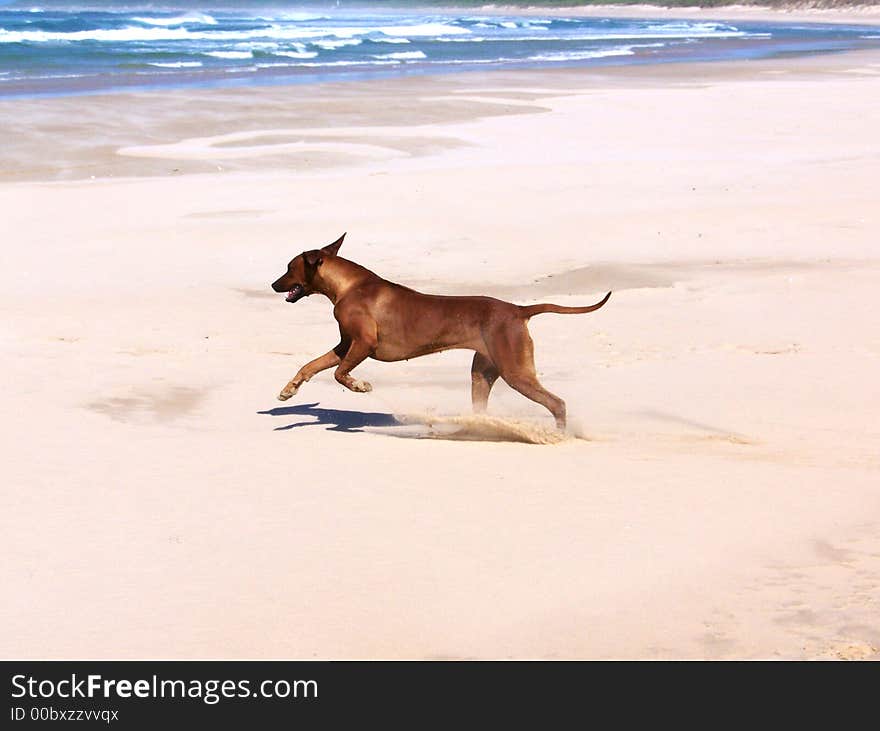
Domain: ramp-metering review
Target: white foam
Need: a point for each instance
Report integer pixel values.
(469, 61)
(582, 55)
(176, 64)
(316, 64)
(405, 56)
(607, 37)
(170, 33)
(115, 34)
(229, 54)
(391, 40)
(193, 18)
(295, 54)
(261, 45)
(299, 17)
(331, 44)
(425, 29)
(137, 33)
(291, 16)
(61, 76)
(526, 21)
(479, 39)
(686, 26)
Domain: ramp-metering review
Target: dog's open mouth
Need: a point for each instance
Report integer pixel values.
(295, 293)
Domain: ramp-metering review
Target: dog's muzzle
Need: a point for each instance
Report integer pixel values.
(296, 292)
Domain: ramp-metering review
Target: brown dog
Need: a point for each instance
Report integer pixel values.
(386, 321)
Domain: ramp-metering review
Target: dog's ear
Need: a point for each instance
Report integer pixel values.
(313, 258)
(334, 247)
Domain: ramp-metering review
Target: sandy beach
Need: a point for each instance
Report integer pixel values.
(718, 495)
(803, 12)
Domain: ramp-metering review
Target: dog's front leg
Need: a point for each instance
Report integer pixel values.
(364, 339)
(328, 360)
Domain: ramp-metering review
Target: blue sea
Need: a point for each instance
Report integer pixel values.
(65, 48)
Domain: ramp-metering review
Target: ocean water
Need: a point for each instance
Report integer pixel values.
(65, 48)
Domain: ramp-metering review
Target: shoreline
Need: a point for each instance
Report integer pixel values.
(268, 75)
(178, 114)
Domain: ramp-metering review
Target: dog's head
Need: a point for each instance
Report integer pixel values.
(298, 280)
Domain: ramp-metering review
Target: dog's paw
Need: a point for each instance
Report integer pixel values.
(361, 386)
(288, 392)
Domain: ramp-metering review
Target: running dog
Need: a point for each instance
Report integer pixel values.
(386, 321)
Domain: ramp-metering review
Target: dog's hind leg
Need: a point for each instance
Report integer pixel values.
(483, 375)
(512, 349)
(328, 360)
(529, 387)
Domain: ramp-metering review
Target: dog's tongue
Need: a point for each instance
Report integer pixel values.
(294, 294)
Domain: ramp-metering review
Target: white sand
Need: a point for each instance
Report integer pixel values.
(721, 498)
(806, 12)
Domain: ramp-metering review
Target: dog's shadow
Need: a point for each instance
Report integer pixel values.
(471, 428)
(334, 419)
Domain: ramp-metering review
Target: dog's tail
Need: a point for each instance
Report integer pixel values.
(530, 310)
